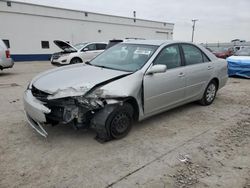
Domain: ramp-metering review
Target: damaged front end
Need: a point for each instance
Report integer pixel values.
(73, 106)
(75, 110)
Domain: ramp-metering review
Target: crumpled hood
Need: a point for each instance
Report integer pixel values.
(75, 79)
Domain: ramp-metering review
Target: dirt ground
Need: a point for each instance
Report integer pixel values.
(190, 146)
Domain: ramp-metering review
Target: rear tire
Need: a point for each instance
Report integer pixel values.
(75, 60)
(119, 122)
(209, 94)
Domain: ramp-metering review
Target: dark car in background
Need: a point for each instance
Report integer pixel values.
(222, 52)
(113, 42)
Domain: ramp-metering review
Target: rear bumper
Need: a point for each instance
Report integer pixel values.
(35, 112)
(7, 63)
(223, 81)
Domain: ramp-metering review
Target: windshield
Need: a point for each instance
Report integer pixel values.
(243, 52)
(125, 57)
(80, 45)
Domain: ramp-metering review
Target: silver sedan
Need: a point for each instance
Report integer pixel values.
(129, 82)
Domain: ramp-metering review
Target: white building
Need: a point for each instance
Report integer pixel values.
(30, 29)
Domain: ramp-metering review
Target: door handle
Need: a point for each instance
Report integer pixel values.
(209, 67)
(181, 74)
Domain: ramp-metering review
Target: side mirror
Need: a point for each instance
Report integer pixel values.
(85, 49)
(157, 69)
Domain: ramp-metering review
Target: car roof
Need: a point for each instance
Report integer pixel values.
(153, 42)
(166, 42)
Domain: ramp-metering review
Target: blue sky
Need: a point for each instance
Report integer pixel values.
(219, 20)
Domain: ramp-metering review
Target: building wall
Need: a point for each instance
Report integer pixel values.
(26, 25)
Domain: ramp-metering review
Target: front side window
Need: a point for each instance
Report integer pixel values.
(80, 45)
(125, 57)
(169, 56)
(91, 47)
(192, 54)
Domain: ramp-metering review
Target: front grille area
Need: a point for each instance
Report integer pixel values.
(40, 95)
(56, 56)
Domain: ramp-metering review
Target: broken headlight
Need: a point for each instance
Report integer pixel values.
(92, 100)
(89, 102)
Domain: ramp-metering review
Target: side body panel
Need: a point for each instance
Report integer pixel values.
(162, 90)
(197, 78)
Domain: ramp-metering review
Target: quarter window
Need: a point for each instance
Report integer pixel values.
(192, 54)
(6, 42)
(101, 46)
(169, 56)
(205, 58)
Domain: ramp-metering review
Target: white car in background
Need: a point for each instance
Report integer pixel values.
(5, 59)
(78, 53)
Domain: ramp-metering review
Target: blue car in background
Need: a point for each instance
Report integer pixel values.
(239, 63)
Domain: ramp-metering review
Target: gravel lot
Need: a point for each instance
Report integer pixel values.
(191, 146)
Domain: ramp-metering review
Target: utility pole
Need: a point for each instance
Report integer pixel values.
(194, 20)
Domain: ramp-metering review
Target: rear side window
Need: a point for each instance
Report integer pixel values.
(169, 56)
(192, 54)
(6, 42)
(101, 46)
(205, 58)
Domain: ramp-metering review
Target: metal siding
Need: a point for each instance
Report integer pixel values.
(26, 25)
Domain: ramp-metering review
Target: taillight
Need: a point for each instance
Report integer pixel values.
(7, 52)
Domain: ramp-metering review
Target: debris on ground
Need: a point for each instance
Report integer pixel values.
(189, 173)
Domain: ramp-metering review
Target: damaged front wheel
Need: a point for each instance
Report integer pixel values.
(120, 121)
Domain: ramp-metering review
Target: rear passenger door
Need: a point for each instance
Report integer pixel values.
(198, 70)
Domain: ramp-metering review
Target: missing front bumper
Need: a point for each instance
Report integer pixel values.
(35, 113)
(36, 125)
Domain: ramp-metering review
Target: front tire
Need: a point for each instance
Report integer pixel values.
(209, 94)
(75, 60)
(120, 121)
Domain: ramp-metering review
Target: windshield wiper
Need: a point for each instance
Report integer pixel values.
(101, 66)
(88, 63)
(104, 67)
